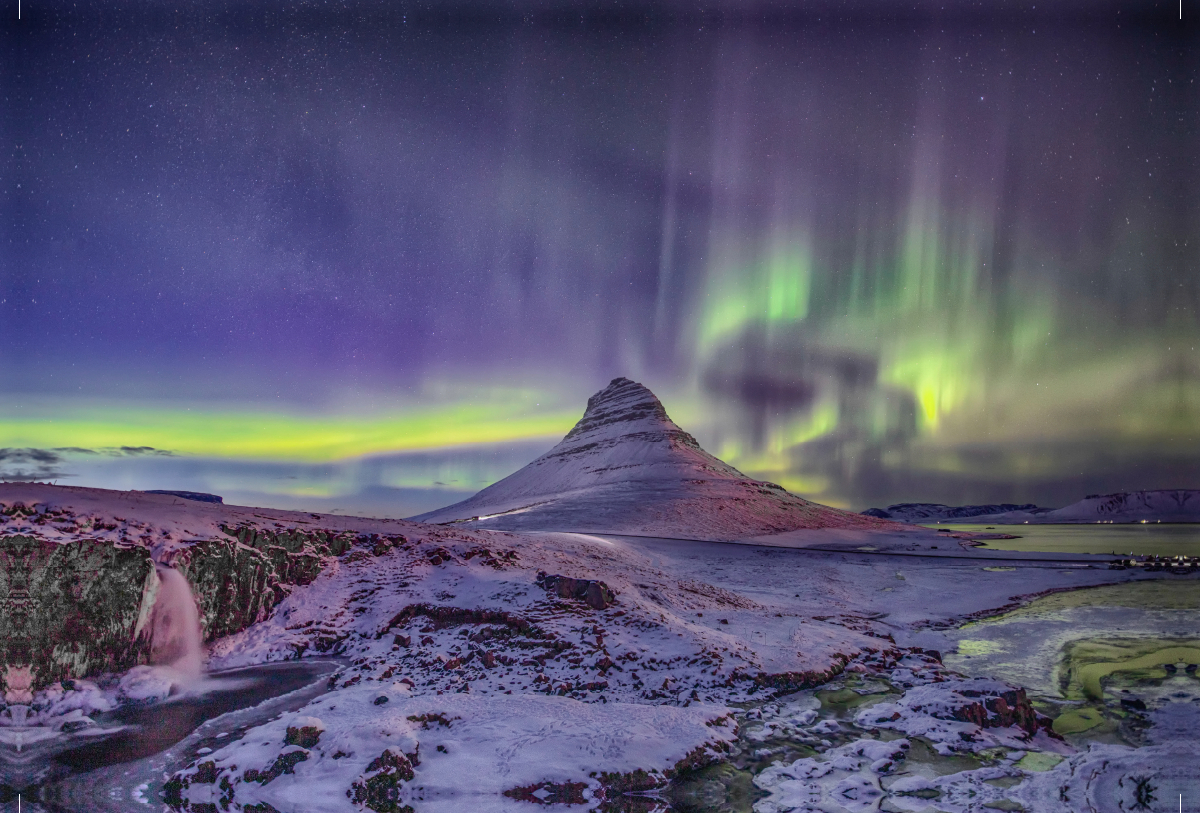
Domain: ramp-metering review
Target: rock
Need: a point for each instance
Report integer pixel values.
(550, 793)
(285, 763)
(306, 734)
(596, 594)
(379, 786)
(60, 634)
(1010, 708)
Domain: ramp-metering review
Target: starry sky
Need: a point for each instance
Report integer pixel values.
(337, 257)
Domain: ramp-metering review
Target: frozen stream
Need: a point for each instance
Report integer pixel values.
(119, 765)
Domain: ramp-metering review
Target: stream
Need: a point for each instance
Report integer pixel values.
(118, 765)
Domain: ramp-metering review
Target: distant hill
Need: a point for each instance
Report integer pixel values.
(932, 512)
(626, 467)
(198, 496)
(1164, 505)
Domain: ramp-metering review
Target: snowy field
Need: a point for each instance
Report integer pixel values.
(814, 670)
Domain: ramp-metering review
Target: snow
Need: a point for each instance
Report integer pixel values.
(548, 690)
(495, 744)
(161, 523)
(1163, 505)
(628, 467)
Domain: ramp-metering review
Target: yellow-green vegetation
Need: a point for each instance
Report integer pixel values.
(1038, 761)
(972, 646)
(1145, 595)
(1160, 538)
(848, 698)
(1077, 720)
(999, 569)
(1087, 663)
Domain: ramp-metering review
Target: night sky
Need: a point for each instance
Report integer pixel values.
(333, 258)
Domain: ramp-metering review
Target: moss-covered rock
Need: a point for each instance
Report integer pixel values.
(72, 609)
(79, 608)
(379, 787)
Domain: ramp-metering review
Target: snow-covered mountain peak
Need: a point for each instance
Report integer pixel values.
(626, 466)
(621, 403)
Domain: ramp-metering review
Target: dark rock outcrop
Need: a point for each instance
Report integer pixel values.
(198, 496)
(80, 608)
(595, 594)
(73, 609)
(379, 786)
(1010, 708)
(927, 511)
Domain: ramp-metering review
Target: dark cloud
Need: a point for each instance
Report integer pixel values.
(37, 456)
(776, 374)
(39, 465)
(45, 464)
(136, 451)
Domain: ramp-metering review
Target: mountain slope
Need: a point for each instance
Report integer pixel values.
(1164, 505)
(626, 467)
(930, 512)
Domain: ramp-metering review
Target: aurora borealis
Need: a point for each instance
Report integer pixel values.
(367, 260)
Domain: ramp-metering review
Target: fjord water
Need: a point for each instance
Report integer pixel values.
(1163, 539)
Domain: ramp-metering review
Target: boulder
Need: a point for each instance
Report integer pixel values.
(596, 594)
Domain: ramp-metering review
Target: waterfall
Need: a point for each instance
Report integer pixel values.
(175, 639)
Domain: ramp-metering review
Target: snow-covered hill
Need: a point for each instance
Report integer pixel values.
(1164, 505)
(626, 467)
(932, 512)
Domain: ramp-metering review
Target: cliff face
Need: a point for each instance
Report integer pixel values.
(77, 588)
(74, 609)
(238, 580)
(627, 467)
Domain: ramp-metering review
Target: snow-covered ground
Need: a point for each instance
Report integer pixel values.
(697, 628)
(474, 683)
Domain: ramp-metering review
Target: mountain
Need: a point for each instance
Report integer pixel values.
(933, 512)
(626, 467)
(1164, 505)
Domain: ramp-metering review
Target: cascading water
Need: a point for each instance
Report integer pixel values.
(175, 639)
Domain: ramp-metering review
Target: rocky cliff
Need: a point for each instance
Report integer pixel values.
(72, 609)
(78, 580)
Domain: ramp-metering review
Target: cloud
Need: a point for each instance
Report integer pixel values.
(135, 451)
(39, 464)
(23, 465)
